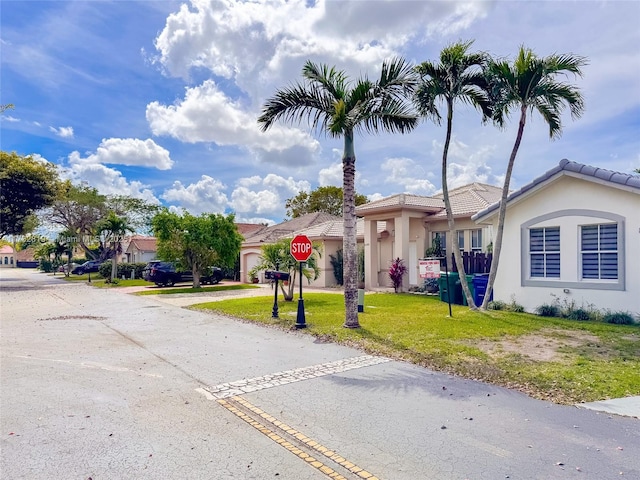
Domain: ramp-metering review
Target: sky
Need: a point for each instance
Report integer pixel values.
(159, 99)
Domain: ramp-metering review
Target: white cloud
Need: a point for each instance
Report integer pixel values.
(64, 132)
(206, 114)
(129, 151)
(467, 165)
(206, 195)
(331, 176)
(409, 175)
(9, 118)
(265, 196)
(107, 181)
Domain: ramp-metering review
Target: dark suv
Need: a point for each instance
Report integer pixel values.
(165, 274)
(87, 267)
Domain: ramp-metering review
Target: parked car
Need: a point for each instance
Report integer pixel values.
(87, 267)
(165, 274)
(213, 276)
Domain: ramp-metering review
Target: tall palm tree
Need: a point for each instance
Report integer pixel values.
(459, 77)
(114, 228)
(340, 108)
(530, 84)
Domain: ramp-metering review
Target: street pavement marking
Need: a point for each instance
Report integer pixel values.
(281, 433)
(231, 389)
(96, 365)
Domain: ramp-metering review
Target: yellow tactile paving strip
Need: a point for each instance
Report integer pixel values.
(236, 405)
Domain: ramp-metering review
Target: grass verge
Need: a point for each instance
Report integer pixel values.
(174, 290)
(560, 360)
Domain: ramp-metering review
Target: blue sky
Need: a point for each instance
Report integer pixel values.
(159, 99)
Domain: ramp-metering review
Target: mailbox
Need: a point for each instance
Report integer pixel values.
(276, 275)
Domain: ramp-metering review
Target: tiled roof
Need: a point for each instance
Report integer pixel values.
(290, 227)
(465, 200)
(470, 199)
(404, 200)
(6, 249)
(335, 229)
(27, 255)
(567, 167)
(247, 229)
(143, 244)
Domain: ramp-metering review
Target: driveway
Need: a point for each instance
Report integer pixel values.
(104, 385)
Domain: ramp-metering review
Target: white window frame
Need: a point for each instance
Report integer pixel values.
(476, 240)
(599, 252)
(570, 244)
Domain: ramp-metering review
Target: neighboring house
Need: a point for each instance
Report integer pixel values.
(26, 258)
(250, 250)
(140, 249)
(7, 257)
(412, 222)
(571, 235)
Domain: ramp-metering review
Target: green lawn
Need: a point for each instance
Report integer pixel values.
(565, 361)
(174, 290)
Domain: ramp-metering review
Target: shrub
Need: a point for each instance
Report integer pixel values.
(338, 266)
(497, 305)
(579, 314)
(397, 270)
(548, 310)
(618, 318)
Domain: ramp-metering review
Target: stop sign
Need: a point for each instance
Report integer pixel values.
(301, 248)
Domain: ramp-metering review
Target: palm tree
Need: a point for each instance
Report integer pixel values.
(114, 228)
(530, 84)
(340, 108)
(457, 78)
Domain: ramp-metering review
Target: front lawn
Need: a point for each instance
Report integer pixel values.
(565, 361)
(174, 290)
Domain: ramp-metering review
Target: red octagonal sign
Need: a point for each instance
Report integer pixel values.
(301, 248)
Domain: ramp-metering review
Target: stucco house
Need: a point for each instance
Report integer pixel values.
(7, 257)
(250, 250)
(571, 234)
(139, 249)
(410, 223)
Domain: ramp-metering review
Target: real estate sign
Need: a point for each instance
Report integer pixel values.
(429, 268)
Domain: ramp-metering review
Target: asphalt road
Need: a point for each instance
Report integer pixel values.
(98, 384)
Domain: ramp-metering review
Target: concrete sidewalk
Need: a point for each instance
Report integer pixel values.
(627, 406)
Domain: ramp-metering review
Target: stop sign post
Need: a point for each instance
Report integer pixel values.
(301, 249)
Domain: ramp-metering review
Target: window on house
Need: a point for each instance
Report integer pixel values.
(476, 240)
(461, 240)
(443, 241)
(544, 251)
(599, 250)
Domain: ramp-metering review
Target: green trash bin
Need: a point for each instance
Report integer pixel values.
(471, 287)
(453, 285)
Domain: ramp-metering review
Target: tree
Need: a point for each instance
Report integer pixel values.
(326, 199)
(196, 243)
(637, 170)
(529, 84)
(6, 107)
(113, 229)
(77, 209)
(26, 186)
(340, 108)
(277, 256)
(457, 78)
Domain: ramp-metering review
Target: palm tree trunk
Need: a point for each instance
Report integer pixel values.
(349, 247)
(497, 245)
(447, 206)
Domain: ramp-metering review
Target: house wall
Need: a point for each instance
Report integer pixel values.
(7, 260)
(466, 225)
(570, 202)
